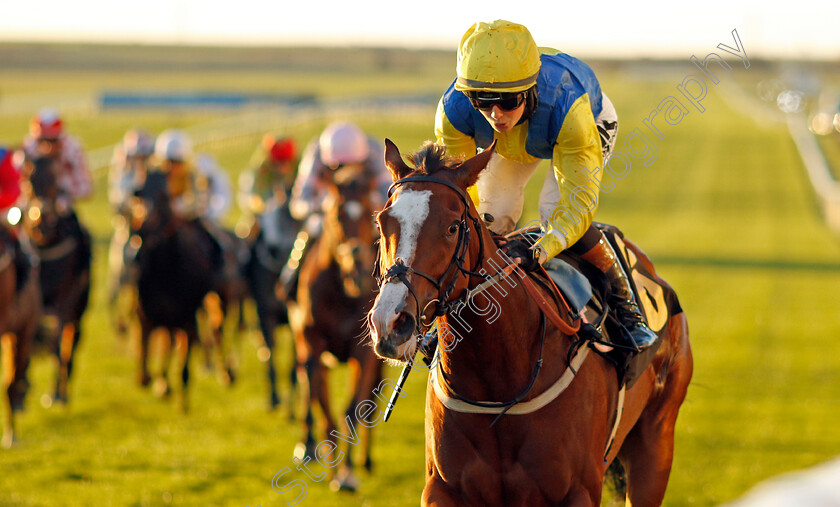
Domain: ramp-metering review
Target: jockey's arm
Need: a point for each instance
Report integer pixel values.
(304, 189)
(9, 181)
(247, 197)
(79, 183)
(576, 162)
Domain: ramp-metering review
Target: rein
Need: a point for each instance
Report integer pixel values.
(59, 251)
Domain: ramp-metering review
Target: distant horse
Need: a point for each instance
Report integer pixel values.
(64, 249)
(335, 291)
(20, 312)
(269, 253)
(543, 437)
(177, 265)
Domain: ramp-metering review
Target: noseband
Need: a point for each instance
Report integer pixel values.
(399, 271)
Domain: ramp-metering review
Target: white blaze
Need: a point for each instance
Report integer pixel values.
(410, 209)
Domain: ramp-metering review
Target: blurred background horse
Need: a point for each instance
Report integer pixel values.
(63, 245)
(177, 266)
(275, 236)
(335, 291)
(20, 312)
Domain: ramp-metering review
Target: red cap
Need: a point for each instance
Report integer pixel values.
(46, 125)
(283, 150)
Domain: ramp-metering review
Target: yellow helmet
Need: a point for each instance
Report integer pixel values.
(499, 56)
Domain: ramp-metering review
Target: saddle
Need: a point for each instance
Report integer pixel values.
(586, 289)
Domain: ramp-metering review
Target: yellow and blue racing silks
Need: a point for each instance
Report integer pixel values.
(561, 129)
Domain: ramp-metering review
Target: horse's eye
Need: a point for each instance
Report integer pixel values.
(453, 228)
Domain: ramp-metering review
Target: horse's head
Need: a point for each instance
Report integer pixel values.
(150, 210)
(425, 245)
(43, 206)
(350, 219)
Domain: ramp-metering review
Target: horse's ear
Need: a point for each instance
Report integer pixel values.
(467, 172)
(394, 162)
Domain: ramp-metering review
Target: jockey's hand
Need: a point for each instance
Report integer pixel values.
(528, 258)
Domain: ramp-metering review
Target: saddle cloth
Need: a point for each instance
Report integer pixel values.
(586, 288)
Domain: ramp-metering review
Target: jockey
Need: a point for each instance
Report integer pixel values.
(215, 192)
(10, 215)
(537, 104)
(189, 188)
(9, 182)
(268, 183)
(340, 144)
(129, 165)
(47, 138)
(174, 157)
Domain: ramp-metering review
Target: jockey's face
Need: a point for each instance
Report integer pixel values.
(49, 148)
(502, 120)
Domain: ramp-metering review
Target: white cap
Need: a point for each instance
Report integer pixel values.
(173, 145)
(343, 143)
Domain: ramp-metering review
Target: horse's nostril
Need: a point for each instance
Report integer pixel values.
(404, 324)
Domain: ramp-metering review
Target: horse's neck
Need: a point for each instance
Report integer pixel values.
(331, 236)
(496, 333)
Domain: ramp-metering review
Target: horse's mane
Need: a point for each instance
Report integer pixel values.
(431, 158)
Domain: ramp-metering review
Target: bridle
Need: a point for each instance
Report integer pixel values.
(399, 271)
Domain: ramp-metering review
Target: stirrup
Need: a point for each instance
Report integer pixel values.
(634, 328)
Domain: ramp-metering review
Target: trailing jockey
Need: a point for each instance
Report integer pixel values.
(340, 144)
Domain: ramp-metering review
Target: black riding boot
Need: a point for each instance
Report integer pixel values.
(621, 300)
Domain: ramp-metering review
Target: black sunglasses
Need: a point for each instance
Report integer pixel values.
(507, 101)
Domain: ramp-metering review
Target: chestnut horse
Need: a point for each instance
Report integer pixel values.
(501, 345)
(64, 249)
(335, 292)
(20, 311)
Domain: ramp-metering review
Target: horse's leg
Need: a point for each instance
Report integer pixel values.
(126, 309)
(346, 478)
(371, 376)
(230, 329)
(69, 341)
(9, 346)
(309, 374)
(218, 311)
(184, 343)
(161, 386)
(647, 454)
(66, 339)
(267, 325)
(648, 451)
(293, 386)
(207, 343)
(321, 387)
(143, 377)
